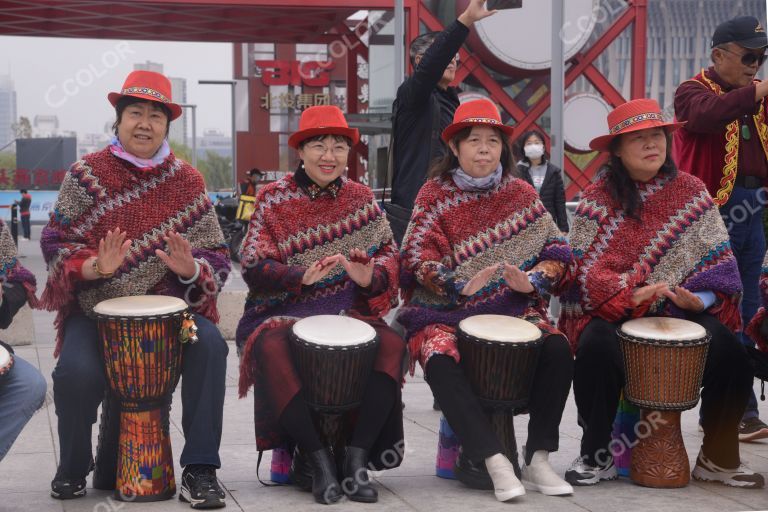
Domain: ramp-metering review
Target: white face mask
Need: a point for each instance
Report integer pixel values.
(534, 151)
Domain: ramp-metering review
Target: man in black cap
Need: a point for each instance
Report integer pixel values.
(248, 187)
(725, 143)
(424, 106)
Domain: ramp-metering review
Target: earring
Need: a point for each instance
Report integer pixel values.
(301, 165)
(346, 168)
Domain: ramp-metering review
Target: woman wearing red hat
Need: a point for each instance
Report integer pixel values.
(318, 244)
(480, 241)
(133, 219)
(648, 240)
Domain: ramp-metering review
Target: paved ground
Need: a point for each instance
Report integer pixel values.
(27, 470)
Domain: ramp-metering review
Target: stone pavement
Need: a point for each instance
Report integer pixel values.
(27, 470)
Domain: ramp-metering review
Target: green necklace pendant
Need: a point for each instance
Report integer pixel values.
(745, 133)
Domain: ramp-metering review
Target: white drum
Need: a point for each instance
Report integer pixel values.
(334, 356)
(499, 355)
(6, 362)
(584, 119)
(518, 40)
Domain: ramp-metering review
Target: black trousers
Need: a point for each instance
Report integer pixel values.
(378, 399)
(551, 385)
(599, 378)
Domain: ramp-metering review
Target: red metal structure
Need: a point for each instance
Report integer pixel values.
(312, 21)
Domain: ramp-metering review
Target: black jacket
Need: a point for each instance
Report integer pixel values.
(552, 192)
(14, 297)
(421, 112)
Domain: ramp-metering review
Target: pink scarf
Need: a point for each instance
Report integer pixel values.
(144, 164)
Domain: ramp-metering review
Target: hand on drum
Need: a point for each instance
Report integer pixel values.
(684, 299)
(178, 256)
(113, 249)
(479, 280)
(517, 279)
(359, 266)
(648, 292)
(319, 269)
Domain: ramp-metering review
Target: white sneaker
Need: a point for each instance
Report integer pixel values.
(539, 476)
(742, 476)
(505, 483)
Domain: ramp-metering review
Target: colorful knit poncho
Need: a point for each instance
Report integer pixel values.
(753, 330)
(102, 192)
(11, 270)
(288, 232)
(679, 239)
(454, 234)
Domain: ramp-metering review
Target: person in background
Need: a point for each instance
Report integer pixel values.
(535, 168)
(248, 187)
(24, 204)
(724, 143)
(423, 108)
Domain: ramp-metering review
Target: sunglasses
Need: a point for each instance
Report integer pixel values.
(749, 58)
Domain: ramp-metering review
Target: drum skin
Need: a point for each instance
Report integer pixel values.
(6, 363)
(143, 365)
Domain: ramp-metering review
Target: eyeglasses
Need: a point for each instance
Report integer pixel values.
(320, 149)
(749, 58)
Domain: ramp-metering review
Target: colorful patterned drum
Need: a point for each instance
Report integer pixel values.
(664, 365)
(142, 350)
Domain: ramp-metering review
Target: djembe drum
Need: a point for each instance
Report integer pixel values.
(6, 362)
(334, 357)
(664, 365)
(499, 356)
(141, 338)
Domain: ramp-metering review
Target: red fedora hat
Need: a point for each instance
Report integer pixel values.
(475, 112)
(632, 116)
(147, 85)
(322, 120)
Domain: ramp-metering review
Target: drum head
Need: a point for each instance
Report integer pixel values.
(333, 330)
(501, 328)
(663, 329)
(140, 306)
(5, 357)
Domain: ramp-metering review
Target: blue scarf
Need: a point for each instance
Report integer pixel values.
(469, 183)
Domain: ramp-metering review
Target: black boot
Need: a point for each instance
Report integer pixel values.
(301, 471)
(325, 486)
(356, 484)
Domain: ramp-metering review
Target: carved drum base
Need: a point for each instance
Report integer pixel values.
(659, 459)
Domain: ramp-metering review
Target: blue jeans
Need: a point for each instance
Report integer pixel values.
(79, 385)
(21, 394)
(743, 216)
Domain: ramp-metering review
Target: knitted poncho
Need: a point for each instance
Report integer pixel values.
(288, 232)
(679, 239)
(753, 329)
(11, 270)
(454, 234)
(102, 192)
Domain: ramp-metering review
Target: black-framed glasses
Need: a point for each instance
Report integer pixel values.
(748, 58)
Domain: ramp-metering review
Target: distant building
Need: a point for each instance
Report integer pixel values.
(45, 126)
(178, 131)
(214, 141)
(7, 109)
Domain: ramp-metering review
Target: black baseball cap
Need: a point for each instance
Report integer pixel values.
(745, 31)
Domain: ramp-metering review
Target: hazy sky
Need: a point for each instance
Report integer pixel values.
(70, 78)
